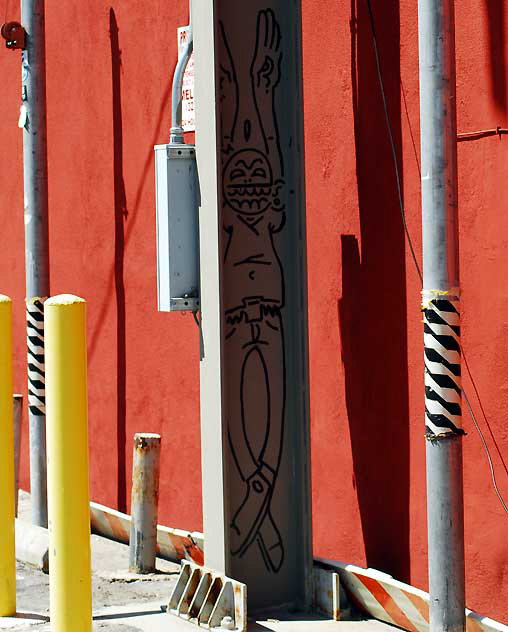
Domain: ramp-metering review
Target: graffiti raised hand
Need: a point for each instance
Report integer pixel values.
(265, 67)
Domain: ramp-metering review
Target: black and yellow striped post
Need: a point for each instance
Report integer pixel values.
(7, 537)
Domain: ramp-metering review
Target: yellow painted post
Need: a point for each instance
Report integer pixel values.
(67, 453)
(7, 543)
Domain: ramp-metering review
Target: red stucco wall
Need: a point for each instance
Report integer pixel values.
(364, 293)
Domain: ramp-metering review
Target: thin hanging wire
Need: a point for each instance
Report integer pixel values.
(487, 451)
(392, 141)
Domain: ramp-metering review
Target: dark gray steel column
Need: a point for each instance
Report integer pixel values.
(33, 119)
(254, 377)
(441, 307)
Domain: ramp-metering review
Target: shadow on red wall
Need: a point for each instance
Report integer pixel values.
(121, 213)
(121, 237)
(372, 311)
(497, 49)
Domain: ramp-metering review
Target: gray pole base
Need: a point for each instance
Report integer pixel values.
(446, 535)
(38, 484)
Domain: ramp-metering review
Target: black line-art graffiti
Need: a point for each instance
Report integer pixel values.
(253, 214)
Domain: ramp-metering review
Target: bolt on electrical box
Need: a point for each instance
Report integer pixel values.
(177, 202)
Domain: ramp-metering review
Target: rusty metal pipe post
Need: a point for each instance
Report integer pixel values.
(144, 502)
(18, 415)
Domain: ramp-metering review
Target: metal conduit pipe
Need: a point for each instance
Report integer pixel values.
(176, 133)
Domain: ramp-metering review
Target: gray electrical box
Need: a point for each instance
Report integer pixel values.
(176, 188)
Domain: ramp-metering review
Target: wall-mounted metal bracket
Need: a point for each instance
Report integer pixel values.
(209, 599)
(329, 596)
(185, 304)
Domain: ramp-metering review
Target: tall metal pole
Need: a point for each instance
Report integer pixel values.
(33, 121)
(441, 310)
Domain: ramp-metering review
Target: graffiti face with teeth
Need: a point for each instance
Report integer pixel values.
(248, 182)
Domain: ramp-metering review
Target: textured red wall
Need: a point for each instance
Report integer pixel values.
(108, 104)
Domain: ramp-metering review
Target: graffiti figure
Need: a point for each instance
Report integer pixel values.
(253, 213)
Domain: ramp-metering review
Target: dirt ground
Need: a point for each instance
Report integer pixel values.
(110, 588)
(33, 590)
(113, 586)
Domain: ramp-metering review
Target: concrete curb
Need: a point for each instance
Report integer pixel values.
(172, 544)
(384, 598)
(32, 543)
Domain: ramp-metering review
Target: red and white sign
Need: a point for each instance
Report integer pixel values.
(188, 121)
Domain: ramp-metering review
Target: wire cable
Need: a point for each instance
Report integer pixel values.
(486, 448)
(413, 142)
(392, 140)
(417, 266)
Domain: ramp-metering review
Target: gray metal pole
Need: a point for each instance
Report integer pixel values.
(441, 307)
(18, 415)
(33, 121)
(144, 502)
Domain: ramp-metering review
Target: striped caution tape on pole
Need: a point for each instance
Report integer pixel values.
(35, 343)
(443, 414)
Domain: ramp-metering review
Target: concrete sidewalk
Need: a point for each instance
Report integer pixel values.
(137, 609)
(149, 617)
(123, 602)
(113, 586)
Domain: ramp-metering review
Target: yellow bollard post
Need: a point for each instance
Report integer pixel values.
(7, 543)
(67, 454)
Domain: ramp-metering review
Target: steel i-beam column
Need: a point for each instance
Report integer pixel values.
(254, 378)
